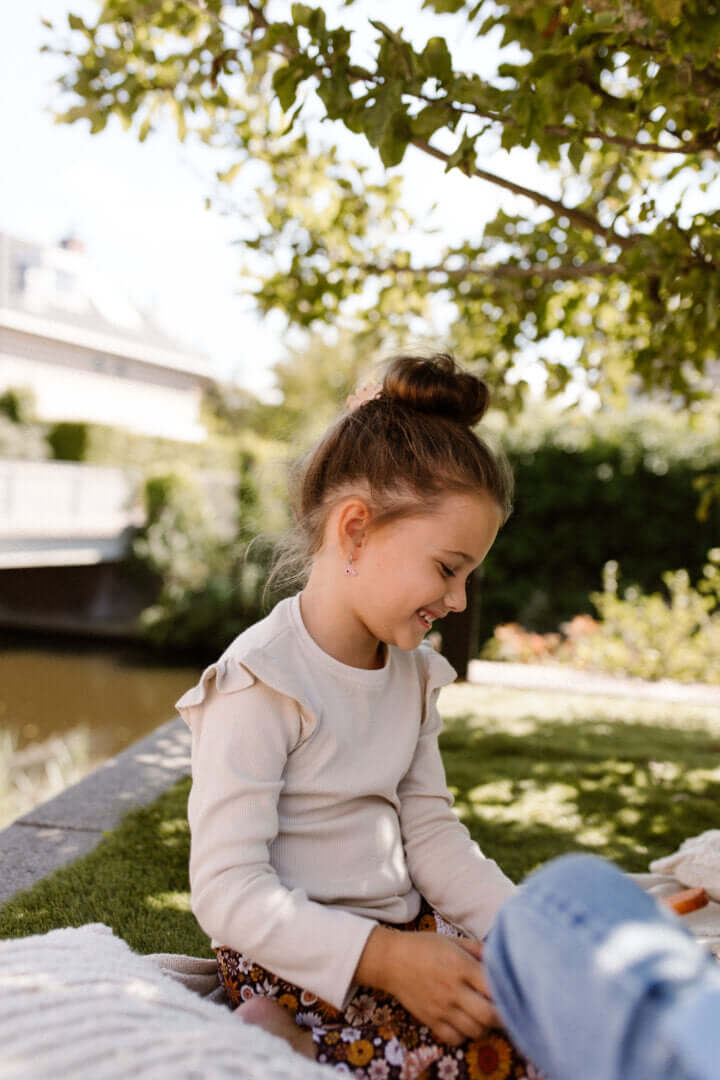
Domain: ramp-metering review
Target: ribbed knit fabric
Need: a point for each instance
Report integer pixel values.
(319, 804)
(77, 1003)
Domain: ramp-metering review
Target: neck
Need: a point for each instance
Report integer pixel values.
(331, 624)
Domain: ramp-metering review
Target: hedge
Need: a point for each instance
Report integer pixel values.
(588, 490)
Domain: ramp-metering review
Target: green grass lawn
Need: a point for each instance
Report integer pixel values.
(534, 775)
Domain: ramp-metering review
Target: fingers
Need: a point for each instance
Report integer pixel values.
(446, 1033)
(479, 1010)
(469, 1019)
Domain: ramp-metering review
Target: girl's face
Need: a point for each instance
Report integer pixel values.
(415, 570)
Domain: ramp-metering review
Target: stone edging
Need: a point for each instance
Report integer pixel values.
(71, 824)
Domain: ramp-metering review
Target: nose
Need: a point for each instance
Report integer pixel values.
(455, 598)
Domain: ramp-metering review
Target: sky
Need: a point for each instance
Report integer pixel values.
(140, 210)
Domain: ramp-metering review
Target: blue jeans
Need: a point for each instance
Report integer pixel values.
(596, 981)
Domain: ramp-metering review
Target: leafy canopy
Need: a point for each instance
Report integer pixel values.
(619, 101)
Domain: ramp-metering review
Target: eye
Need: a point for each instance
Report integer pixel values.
(447, 572)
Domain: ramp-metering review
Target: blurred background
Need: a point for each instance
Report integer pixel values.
(193, 277)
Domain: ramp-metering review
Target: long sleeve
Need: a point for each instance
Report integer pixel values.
(241, 744)
(445, 863)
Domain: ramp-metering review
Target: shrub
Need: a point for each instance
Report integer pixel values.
(18, 404)
(68, 440)
(675, 636)
(212, 583)
(590, 490)
(654, 636)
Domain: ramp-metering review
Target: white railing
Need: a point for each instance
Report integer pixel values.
(60, 498)
(58, 513)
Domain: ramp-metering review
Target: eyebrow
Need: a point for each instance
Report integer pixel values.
(462, 554)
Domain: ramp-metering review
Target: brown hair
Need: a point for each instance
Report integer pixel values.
(405, 448)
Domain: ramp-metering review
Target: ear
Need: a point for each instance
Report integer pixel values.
(352, 524)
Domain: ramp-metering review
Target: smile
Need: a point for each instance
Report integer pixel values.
(426, 617)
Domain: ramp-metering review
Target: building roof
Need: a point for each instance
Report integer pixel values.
(58, 292)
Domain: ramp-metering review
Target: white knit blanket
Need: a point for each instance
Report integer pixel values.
(696, 862)
(78, 1003)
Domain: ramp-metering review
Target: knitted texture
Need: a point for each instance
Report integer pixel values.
(78, 1003)
(696, 862)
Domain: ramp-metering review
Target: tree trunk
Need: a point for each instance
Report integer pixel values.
(460, 630)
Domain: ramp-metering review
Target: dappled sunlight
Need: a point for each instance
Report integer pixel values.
(174, 833)
(553, 804)
(631, 791)
(172, 901)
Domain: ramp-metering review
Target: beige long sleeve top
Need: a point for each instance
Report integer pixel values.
(319, 804)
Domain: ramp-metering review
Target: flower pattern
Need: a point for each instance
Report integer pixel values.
(375, 1037)
(489, 1058)
(447, 1069)
(360, 1009)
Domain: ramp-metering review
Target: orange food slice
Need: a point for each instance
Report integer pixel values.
(687, 900)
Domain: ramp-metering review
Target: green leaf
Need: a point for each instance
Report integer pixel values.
(395, 141)
(301, 14)
(429, 119)
(75, 22)
(435, 60)
(285, 83)
(377, 118)
(336, 96)
(444, 7)
(464, 155)
(576, 153)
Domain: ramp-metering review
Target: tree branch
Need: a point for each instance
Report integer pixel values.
(500, 270)
(580, 217)
(632, 144)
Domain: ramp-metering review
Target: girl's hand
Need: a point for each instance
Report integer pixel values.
(440, 980)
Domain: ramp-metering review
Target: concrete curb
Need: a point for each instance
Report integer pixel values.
(63, 829)
(575, 681)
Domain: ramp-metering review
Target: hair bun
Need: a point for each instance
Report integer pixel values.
(436, 384)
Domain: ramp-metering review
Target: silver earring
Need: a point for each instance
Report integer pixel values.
(350, 569)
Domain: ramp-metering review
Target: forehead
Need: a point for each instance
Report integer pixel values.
(463, 524)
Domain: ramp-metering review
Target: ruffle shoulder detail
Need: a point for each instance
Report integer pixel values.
(229, 675)
(438, 671)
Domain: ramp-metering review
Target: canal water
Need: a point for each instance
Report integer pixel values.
(67, 704)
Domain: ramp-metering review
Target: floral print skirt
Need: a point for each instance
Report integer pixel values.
(375, 1037)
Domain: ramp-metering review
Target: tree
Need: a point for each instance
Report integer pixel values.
(616, 98)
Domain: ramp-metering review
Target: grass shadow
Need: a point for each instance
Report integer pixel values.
(630, 792)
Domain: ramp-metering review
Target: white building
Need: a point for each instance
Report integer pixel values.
(86, 352)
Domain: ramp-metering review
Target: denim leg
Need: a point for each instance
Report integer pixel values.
(595, 980)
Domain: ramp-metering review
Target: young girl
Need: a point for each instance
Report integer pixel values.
(323, 837)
